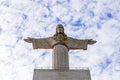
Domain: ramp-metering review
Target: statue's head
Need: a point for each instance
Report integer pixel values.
(60, 35)
(59, 29)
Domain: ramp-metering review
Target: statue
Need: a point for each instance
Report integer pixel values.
(60, 43)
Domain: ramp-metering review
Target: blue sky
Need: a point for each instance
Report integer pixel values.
(82, 19)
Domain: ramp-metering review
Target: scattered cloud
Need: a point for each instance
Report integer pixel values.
(82, 19)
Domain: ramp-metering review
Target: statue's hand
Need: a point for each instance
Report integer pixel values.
(91, 41)
(29, 40)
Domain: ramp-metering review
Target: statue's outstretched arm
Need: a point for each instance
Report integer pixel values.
(42, 43)
(91, 41)
(79, 43)
(29, 40)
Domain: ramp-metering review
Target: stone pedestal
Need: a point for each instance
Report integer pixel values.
(50, 74)
(60, 57)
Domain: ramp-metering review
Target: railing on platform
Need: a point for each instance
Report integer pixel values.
(70, 68)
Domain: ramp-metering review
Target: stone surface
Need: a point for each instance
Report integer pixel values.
(47, 74)
(60, 44)
(60, 57)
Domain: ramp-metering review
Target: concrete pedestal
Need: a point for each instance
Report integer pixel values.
(50, 74)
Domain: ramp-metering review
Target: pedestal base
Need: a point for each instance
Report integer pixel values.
(50, 74)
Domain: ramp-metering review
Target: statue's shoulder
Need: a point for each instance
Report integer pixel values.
(70, 38)
(51, 38)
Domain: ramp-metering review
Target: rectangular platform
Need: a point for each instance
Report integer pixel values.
(50, 74)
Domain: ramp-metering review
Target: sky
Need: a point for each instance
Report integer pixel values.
(82, 19)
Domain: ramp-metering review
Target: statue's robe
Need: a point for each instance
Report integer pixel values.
(49, 43)
(60, 49)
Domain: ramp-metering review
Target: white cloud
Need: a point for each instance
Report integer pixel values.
(22, 19)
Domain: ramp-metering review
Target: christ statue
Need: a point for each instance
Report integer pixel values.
(60, 44)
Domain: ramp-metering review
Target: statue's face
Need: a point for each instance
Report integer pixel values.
(60, 30)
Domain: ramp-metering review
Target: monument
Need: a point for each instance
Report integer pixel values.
(60, 43)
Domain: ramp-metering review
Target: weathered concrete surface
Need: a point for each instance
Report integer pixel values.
(60, 44)
(60, 57)
(49, 74)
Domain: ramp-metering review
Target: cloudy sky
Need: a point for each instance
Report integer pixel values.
(82, 19)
